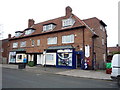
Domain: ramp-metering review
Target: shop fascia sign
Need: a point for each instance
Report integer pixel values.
(65, 50)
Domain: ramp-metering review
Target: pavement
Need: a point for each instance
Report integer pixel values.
(98, 74)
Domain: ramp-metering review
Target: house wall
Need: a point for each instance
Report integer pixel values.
(5, 49)
(99, 49)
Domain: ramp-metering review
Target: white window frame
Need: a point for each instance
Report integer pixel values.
(18, 34)
(103, 41)
(68, 22)
(52, 40)
(48, 27)
(38, 42)
(15, 44)
(23, 44)
(104, 57)
(28, 32)
(68, 39)
(101, 27)
(33, 42)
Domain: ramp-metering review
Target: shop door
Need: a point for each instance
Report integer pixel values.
(35, 59)
(78, 59)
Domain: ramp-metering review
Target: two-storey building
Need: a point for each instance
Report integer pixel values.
(66, 41)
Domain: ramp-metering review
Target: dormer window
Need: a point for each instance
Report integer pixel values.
(29, 31)
(48, 27)
(68, 22)
(18, 33)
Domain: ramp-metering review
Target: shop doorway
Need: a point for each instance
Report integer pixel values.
(78, 59)
(35, 59)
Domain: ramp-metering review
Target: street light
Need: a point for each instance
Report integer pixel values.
(44, 53)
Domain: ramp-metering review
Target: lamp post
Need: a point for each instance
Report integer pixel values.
(45, 58)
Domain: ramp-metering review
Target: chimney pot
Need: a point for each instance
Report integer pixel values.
(68, 11)
(30, 23)
(9, 36)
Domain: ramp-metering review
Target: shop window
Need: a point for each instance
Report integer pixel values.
(49, 57)
(12, 57)
(52, 40)
(19, 57)
(23, 44)
(65, 59)
(68, 39)
(15, 45)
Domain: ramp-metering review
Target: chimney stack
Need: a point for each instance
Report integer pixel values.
(30, 23)
(68, 11)
(9, 36)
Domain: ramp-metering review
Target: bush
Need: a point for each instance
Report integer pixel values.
(31, 63)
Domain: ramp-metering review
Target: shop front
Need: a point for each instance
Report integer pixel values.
(17, 56)
(66, 56)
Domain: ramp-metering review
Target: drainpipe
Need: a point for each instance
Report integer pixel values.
(92, 52)
(83, 44)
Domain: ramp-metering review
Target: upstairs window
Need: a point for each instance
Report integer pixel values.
(103, 41)
(15, 45)
(29, 31)
(102, 27)
(68, 39)
(18, 33)
(38, 42)
(68, 22)
(33, 42)
(23, 44)
(48, 27)
(52, 40)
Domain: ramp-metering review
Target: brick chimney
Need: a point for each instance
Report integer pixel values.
(30, 23)
(68, 11)
(9, 36)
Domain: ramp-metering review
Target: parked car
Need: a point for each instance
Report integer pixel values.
(115, 75)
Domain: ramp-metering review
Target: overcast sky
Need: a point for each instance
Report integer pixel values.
(14, 14)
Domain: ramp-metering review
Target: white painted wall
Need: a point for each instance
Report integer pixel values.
(39, 59)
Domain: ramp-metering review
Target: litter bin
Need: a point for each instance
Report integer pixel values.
(108, 68)
(21, 66)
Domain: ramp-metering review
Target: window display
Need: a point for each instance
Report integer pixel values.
(12, 57)
(65, 58)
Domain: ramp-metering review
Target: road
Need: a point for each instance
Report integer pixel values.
(22, 79)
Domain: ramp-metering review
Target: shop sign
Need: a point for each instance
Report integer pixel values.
(87, 51)
(65, 50)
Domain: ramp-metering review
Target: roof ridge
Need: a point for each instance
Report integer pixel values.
(50, 19)
(78, 19)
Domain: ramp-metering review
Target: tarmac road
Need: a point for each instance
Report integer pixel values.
(13, 78)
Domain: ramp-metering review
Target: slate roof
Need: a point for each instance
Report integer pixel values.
(57, 21)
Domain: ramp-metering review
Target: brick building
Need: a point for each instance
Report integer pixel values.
(4, 49)
(66, 41)
(112, 50)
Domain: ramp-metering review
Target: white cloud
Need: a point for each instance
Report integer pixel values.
(15, 13)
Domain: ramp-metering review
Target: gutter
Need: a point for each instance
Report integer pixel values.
(47, 33)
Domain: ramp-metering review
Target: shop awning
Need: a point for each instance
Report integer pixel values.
(60, 47)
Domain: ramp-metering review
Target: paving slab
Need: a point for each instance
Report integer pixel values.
(99, 74)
